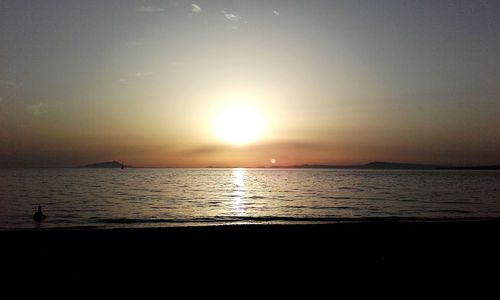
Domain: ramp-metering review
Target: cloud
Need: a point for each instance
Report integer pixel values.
(37, 109)
(140, 74)
(231, 17)
(260, 147)
(10, 84)
(207, 149)
(277, 13)
(150, 9)
(196, 9)
(177, 63)
(135, 43)
(144, 74)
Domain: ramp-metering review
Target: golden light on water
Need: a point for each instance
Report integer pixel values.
(239, 125)
(239, 191)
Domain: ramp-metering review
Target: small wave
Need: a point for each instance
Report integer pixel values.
(275, 219)
(222, 220)
(335, 197)
(348, 188)
(458, 211)
(256, 197)
(460, 202)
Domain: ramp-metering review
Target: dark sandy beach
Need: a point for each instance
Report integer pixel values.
(251, 253)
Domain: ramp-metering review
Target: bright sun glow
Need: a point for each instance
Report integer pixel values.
(239, 125)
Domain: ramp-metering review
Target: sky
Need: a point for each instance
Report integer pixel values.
(336, 82)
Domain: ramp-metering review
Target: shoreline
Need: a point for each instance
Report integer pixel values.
(271, 221)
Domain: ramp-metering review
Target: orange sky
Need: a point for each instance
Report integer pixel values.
(336, 82)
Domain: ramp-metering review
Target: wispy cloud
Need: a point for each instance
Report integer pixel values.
(140, 74)
(10, 84)
(177, 63)
(37, 109)
(135, 43)
(231, 17)
(196, 9)
(144, 74)
(278, 146)
(150, 9)
(277, 13)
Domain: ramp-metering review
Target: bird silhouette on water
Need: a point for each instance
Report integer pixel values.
(39, 216)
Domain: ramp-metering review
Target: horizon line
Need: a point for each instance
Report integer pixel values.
(295, 166)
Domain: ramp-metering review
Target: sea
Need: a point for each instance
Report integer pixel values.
(141, 197)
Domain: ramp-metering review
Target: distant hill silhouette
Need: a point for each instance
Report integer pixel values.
(371, 165)
(376, 165)
(382, 165)
(494, 167)
(391, 165)
(107, 164)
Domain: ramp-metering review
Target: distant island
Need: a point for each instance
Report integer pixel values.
(494, 167)
(107, 164)
(376, 165)
(381, 165)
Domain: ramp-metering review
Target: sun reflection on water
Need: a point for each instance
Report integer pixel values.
(238, 194)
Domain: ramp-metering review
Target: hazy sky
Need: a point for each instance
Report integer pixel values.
(337, 82)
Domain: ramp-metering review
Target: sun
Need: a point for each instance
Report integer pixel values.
(239, 125)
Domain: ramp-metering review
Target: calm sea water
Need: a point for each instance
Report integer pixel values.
(110, 198)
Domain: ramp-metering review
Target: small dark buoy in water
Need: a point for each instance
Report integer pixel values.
(39, 216)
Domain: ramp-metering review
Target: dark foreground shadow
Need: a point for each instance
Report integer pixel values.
(279, 258)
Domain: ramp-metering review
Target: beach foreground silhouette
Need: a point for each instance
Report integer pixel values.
(305, 254)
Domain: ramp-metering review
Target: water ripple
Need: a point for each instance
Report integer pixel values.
(165, 197)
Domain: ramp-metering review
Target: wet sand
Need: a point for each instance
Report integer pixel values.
(234, 253)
